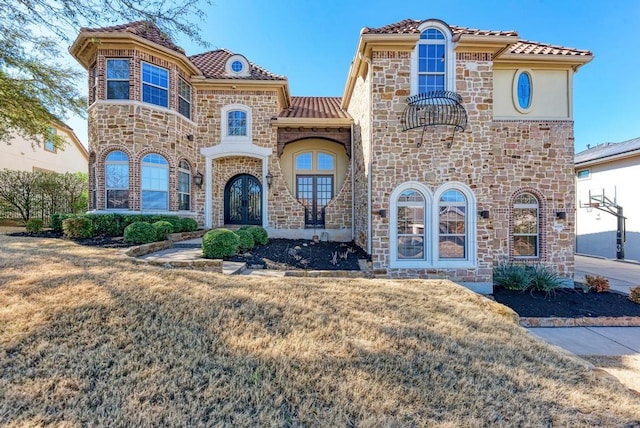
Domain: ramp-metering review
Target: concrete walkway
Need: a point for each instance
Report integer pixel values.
(592, 340)
(622, 275)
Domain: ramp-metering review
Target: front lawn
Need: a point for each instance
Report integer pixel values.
(89, 338)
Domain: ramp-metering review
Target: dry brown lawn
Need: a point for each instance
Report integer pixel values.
(88, 338)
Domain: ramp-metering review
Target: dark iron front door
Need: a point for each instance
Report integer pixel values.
(314, 192)
(243, 200)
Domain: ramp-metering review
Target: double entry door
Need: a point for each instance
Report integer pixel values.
(243, 200)
(314, 192)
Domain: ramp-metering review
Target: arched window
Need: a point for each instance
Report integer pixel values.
(526, 226)
(411, 231)
(116, 178)
(452, 225)
(184, 186)
(315, 180)
(154, 182)
(431, 61)
(237, 123)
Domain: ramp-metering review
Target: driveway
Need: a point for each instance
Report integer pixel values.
(622, 275)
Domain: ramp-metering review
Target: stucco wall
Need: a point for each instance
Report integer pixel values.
(596, 230)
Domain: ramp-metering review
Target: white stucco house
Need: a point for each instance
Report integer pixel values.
(609, 170)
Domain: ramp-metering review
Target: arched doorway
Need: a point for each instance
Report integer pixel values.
(243, 200)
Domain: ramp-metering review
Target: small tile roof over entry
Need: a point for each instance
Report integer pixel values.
(315, 108)
(145, 29)
(212, 65)
(411, 26)
(605, 150)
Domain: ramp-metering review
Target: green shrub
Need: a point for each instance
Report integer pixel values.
(245, 227)
(140, 232)
(543, 279)
(187, 225)
(245, 239)
(634, 294)
(77, 227)
(163, 228)
(597, 283)
(259, 234)
(56, 221)
(219, 243)
(34, 225)
(107, 224)
(512, 276)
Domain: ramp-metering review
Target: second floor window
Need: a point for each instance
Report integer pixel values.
(431, 61)
(184, 98)
(155, 85)
(237, 123)
(117, 79)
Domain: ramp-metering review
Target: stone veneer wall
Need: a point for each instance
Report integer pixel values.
(360, 110)
(477, 158)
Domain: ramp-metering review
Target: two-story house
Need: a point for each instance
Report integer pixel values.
(450, 150)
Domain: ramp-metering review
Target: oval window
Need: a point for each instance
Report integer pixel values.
(524, 90)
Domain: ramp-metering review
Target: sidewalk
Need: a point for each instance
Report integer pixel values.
(622, 275)
(592, 340)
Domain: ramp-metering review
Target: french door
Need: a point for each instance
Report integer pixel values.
(314, 192)
(243, 200)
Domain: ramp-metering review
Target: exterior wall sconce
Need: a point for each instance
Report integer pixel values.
(383, 213)
(484, 214)
(198, 178)
(190, 137)
(269, 178)
(561, 215)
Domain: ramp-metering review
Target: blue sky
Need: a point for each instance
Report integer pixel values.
(313, 43)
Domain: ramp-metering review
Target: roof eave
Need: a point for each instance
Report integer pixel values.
(575, 61)
(84, 41)
(606, 159)
(281, 85)
(283, 122)
(493, 43)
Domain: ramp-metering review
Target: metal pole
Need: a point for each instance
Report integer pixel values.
(620, 238)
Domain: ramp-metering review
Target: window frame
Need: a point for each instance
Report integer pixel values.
(165, 167)
(449, 60)
(49, 145)
(432, 234)
(224, 124)
(107, 79)
(441, 234)
(183, 83)
(515, 90)
(513, 234)
(108, 162)
(186, 171)
(587, 177)
(153, 85)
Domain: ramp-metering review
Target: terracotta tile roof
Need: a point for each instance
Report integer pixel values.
(315, 108)
(145, 29)
(528, 47)
(411, 26)
(212, 64)
(605, 150)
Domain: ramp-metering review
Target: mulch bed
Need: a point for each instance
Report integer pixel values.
(96, 241)
(567, 303)
(287, 254)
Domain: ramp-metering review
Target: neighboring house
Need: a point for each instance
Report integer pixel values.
(609, 170)
(22, 155)
(471, 171)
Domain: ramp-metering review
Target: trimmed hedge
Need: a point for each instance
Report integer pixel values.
(260, 235)
(114, 224)
(219, 243)
(77, 227)
(187, 225)
(140, 232)
(245, 239)
(163, 228)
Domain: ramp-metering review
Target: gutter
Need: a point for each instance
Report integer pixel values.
(605, 159)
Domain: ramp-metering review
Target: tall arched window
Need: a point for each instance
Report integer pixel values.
(431, 61)
(526, 226)
(154, 182)
(315, 176)
(184, 186)
(116, 178)
(411, 231)
(452, 226)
